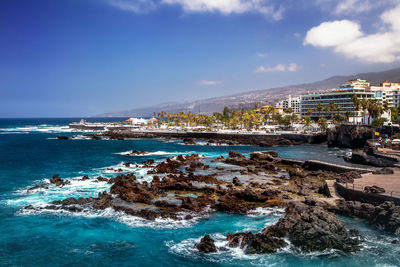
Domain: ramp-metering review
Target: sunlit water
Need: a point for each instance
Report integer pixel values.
(30, 154)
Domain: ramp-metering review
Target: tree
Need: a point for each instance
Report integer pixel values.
(286, 120)
(347, 115)
(332, 107)
(320, 107)
(307, 121)
(323, 124)
(309, 111)
(378, 122)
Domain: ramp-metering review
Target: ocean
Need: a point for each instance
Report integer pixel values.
(30, 154)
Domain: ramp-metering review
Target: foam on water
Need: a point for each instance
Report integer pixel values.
(76, 188)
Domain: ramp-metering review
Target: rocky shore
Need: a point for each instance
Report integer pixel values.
(263, 140)
(189, 186)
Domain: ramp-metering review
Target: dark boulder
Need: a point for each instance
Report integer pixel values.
(206, 245)
(58, 181)
(268, 155)
(259, 243)
(383, 171)
(234, 154)
(236, 182)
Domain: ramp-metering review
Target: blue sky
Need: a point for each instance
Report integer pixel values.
(81, 58)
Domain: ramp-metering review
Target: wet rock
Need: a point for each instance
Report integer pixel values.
(102, 179)
(383, 171)
(62, 137)
(84, 178)
(206, 245)
(264, 155)
(385, 216)
(103, 201)
(189, 141)
(236, 182)
(234, 154)
(249, 195)
(136, 152)
(37, 187)
(58, 181)
(312, 228)
(260, 243)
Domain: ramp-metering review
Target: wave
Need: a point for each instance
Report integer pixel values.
(264, 212)
(44, 128)
(154, 153)
(118, 216)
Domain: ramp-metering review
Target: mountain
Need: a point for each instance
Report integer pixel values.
(265, 96)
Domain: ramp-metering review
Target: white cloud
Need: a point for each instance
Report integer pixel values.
(207, 82)
(333, 33)
(136, 6)
(262, 54)
(230, 6)
(225, 7)
(352, 7)
(345, 37)
(279, 67)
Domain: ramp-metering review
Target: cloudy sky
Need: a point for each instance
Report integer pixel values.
(80, 58)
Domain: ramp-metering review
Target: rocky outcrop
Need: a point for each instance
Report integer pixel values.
(308, 227)
(349, 136)
(206, 245)
(234, 154)
(385, 216)
(383, 171)
(268, 155)
(58, 181)
(260, 243)
(369, 156)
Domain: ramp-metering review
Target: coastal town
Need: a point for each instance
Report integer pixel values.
(355, 102)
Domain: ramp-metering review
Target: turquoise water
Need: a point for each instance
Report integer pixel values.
(30, 154)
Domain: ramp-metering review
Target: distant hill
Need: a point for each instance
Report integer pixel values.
(265, 96)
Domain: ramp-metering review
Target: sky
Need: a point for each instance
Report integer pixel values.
(75, 58)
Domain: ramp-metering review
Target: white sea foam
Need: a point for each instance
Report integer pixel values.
(76, 188)
(44, 128)
(119, 216)
(264, 212)
(155, 153)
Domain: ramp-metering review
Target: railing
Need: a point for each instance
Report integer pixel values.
(359, 187)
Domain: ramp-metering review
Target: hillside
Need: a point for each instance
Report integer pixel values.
(265, 96)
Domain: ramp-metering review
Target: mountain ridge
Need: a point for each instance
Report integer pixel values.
(247, 99)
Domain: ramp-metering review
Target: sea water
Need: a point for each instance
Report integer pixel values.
(30, 154)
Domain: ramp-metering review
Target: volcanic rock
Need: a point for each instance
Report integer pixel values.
(58, 181)
(206, 245)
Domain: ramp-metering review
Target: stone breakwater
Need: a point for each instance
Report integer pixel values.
(187, 187)
(229, 138)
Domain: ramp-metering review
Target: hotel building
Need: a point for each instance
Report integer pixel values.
(340, 96)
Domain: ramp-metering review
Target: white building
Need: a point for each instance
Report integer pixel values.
(291, 102)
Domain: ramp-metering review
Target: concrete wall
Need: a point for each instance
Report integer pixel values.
(355, 195)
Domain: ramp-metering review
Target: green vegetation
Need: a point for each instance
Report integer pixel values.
(378, 122)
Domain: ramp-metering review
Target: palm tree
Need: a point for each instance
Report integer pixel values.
(357, 106)
(320, 107)
(323, 123)
(332, 107)
(347, 115)
(309, 111)
(307, 121)
(338, 108)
